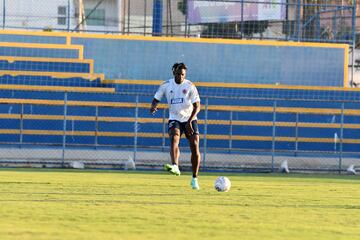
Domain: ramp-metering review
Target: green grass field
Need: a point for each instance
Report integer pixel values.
(73, 204)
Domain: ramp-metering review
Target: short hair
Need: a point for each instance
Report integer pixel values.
(178, 66)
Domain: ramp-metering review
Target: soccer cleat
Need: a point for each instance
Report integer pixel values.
(174, 169)
(195, 184)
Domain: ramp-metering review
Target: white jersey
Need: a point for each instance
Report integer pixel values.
(180, 98)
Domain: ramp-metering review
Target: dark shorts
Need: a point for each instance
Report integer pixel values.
(181, 126)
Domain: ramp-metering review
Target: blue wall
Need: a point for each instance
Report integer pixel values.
(260, 62)
(217, 62)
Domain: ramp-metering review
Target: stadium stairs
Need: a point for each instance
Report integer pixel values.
(47, 66)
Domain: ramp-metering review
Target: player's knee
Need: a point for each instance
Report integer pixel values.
(196, 153)
(194, 146)
(175, 137)
(174, 132)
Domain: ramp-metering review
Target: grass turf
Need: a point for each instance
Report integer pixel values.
(69, 204)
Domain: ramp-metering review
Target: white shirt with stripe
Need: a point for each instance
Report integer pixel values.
(180, 98)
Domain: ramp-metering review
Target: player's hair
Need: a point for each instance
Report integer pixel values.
(178, 66)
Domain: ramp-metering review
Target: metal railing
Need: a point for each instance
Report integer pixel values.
(295, 20)
(240, 137)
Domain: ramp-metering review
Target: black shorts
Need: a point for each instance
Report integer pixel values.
(181, 126)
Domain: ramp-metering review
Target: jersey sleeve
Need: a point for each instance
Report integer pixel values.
(194, 94)
(161, 91)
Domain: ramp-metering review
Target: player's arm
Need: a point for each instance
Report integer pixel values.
(153, 108)
(195, 99)
(195, 111)
(157, 98)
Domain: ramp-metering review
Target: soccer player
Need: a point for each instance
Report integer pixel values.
(184, 105)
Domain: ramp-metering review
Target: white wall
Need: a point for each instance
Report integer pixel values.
(32, 13)
(44, 14)
(113, 13)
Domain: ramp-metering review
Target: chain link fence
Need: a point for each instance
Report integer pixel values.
(295, 20)
(237, 134)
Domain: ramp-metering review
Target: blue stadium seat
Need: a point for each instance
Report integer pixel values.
(55, 80)
(44, 65)
(39, 52)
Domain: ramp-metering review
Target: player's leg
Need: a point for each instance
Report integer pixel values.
(174, 134)
(194, 141)
(195, 154)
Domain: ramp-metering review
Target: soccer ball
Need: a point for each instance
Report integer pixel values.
(222, 184)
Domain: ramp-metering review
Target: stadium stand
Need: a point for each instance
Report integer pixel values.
(41, 50)
(50, 92)
(44, 64)
(110, 122)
